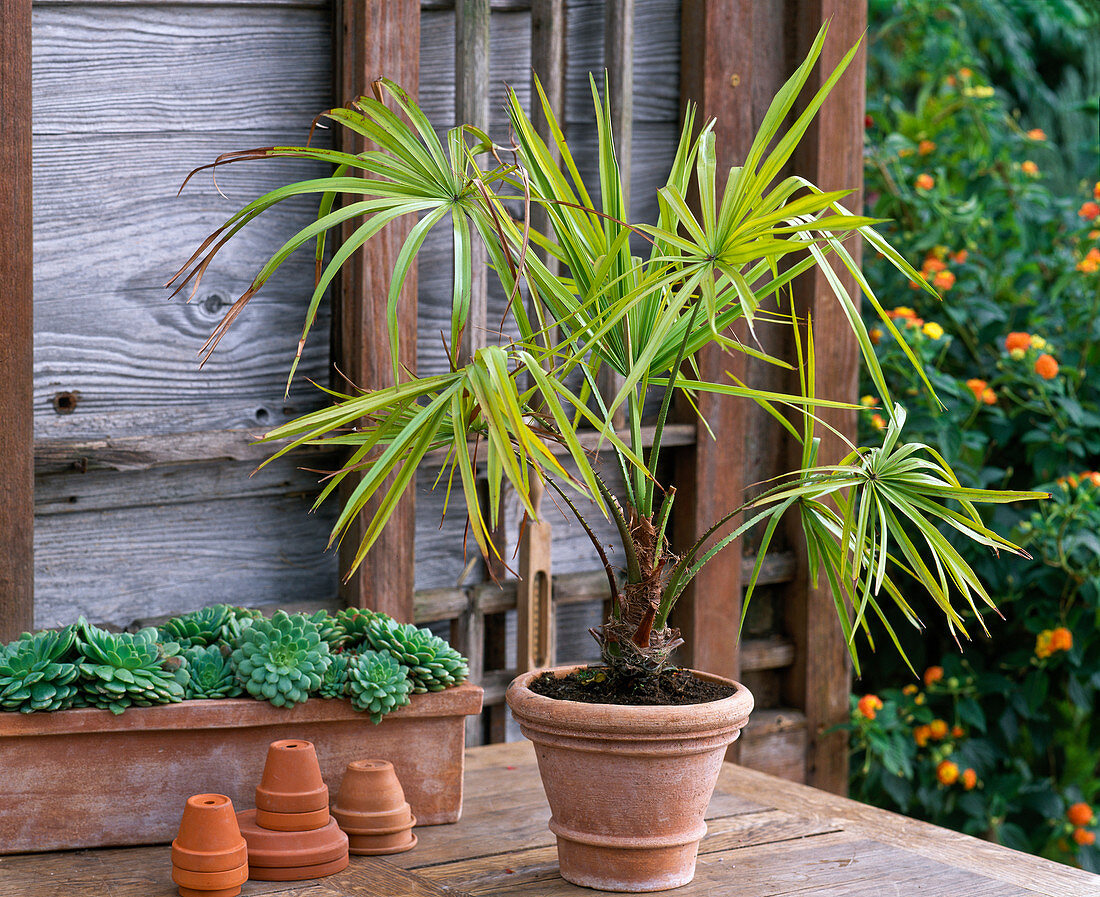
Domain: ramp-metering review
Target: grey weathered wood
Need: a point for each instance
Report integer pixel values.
(16, 323)
(618, 43)
(118, 546)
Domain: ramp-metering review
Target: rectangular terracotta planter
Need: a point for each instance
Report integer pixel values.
(88, 778)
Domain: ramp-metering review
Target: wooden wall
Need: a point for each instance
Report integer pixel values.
(143, 501)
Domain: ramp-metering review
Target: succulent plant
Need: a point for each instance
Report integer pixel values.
(433, 664)
(377, 683)
(37, 672)
(120, 669)
(239, 619)
(211, 673)
(198, 628)
(282, 659)
(334, 684)
(354, 621)
(329, 628)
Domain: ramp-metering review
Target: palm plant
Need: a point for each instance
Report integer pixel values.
(877, 514)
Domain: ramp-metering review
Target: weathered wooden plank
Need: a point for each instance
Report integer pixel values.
(831, 156)
(618, 54)
(710, 480)
(115, 358)
(129, 561)
(373, 39)
(99, 68)
(775, 742)
(16, 323)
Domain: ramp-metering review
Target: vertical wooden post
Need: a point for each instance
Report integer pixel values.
(716, 43)
(534, 610)
(831, 156)
(16, 324)
(376, 38)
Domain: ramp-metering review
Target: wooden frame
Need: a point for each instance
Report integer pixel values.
(16, 324)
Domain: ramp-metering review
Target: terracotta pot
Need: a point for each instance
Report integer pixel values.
(298, 873)
(292, 822)
(372, 809)
(292, 780)
(628, 786)
(267, 848)
(157, 757)
(223, 884)
(209, 839)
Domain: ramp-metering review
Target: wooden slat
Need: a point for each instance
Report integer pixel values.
(377, 38)
(775, 742)
(831, 156)
(714, 37)
(16, 324)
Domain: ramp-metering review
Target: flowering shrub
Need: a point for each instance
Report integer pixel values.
(998, 740)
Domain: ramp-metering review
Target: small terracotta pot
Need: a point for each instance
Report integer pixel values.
(372, 809)
(297, 873)
(267, 848)
(292, 780)
(292, 822)
(209, 839)
(223, 884)
(628, 786)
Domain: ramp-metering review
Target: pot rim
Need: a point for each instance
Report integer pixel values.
(665, 719)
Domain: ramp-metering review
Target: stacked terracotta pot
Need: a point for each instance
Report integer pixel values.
(209, 856)
(372, 810)
(290, 834)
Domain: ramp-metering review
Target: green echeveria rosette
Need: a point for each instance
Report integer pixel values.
(377, 683)
(329, 628)
(198, 628)
(37, 672)
(281, 660)
(334, 684)
(211, 673)
(433, 664)
(238, 620)
(121, 669)
(354, 621)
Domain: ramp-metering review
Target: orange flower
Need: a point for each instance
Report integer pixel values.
(902, 311)
(1017, 340)
(934, 674)
(978, 387)
(957, 731)
(1090, 211)
(965, 73)
(1096, 191)
(988, 397)
(938, 729)
(921, 734)
(869, 705)
(910, 689)
(1029, 167)
(969, 779)
(960, 257)
(1094, 234)
(1079, 814)
(1084, 837)
(876, 335)
(1046, 367)
(925, 147)
(932, 265)
(878, 421)
(1061, 639)
(947, 772)
(1036, 134)
(1092, 476)
(1091, 261)
(927, 182)
(944, 281)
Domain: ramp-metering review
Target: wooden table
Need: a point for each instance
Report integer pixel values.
(766, 838)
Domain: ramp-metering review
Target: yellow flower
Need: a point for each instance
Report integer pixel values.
(937, 729)
(932, 330)
(910, 689)
(1029, 167)
(868, 401)
(947, 772)
(1037, 342)
(1017, 354)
